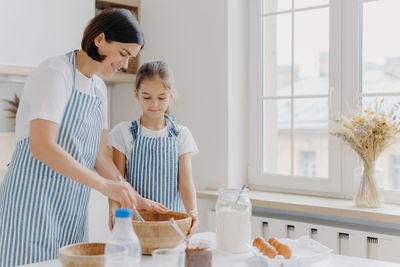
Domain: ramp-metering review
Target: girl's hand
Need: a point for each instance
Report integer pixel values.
(121, 192)
(195, 223)
(112, 207)
(147, 204)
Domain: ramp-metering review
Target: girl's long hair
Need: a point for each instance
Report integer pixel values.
(154, 69)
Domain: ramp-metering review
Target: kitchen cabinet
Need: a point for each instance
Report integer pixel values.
(351, 231)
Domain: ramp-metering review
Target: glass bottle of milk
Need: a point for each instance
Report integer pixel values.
(233, 216)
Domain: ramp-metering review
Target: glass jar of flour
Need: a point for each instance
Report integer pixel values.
(233, 216)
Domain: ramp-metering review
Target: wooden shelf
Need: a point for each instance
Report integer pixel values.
(25, 71)
(127, 3)
(15, 70)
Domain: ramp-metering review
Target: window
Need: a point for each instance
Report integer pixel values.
(380, 75)
(394, 172)
(307, 163)
(295, 85)
(292, 99)
(309, 63)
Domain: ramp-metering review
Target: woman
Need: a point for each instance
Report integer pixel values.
(61, 137)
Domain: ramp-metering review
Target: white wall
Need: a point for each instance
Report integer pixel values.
(31, 31)
(205, 44)
(192, 37)
(123, 105)
(237, 92)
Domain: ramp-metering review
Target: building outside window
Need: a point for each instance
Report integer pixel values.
(395, 171)
(307, 163)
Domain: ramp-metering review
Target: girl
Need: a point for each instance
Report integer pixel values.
(61, 137)
(153, 152)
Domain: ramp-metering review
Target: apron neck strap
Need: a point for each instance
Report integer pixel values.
(171, 126)
(172, 129)
(72, 59)
(135, 129)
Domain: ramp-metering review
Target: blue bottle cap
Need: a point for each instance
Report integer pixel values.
(123, 213)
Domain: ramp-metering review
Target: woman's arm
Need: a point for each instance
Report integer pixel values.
(187, 190)
(44, 147)
(120, 163)
(105, 166)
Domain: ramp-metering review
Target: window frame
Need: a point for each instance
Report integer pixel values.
(344, 83)
(344, 78)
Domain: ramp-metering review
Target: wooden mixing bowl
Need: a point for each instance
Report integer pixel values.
(157, 232)
(86, 254)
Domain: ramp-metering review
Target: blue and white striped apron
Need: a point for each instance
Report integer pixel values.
(41, 210)
(153, 164)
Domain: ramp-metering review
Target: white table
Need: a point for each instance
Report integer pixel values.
(242, 260)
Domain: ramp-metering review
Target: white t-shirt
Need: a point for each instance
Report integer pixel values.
(47, 91)
(121, 138)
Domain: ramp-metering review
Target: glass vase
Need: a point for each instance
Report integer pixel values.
(368, 194)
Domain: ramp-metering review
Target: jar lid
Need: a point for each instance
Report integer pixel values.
(233, 190)
(123, 213)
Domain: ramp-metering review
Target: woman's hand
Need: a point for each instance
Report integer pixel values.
(147, 204)
(112, 207)
(195, 223)
(121, 192)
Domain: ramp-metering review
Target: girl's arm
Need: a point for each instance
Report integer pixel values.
(119, 159)
(104, 164)
(187, 190)
(44, 147)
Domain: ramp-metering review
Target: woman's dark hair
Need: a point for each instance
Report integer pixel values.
(117, 24)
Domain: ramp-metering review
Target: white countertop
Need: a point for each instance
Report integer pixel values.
(221, 259)
(240, 260)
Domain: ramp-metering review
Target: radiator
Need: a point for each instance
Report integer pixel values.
(343, 241)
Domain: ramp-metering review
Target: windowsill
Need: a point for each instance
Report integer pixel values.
(389, 213)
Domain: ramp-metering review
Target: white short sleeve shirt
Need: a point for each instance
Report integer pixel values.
(47, 91)
(121, 138)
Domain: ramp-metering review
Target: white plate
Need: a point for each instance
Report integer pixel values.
(305, 251)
